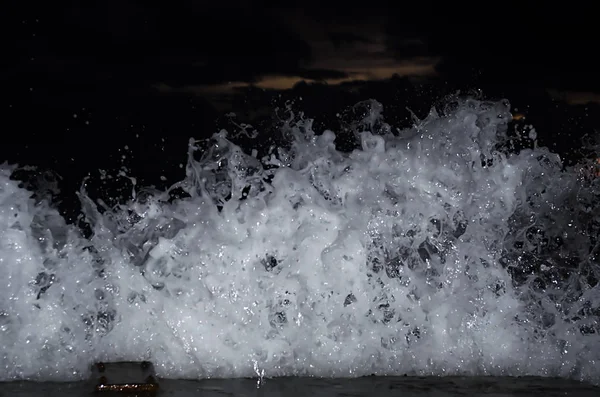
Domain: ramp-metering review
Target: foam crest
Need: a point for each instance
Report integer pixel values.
(430, 251)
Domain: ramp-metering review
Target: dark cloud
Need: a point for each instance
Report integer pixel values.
(104, 45)
(406, 48)
(526, 44)
(340, 39)
(319, 74)
(226, 72)
(125, 41)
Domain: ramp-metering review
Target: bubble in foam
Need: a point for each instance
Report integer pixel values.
(430, 251)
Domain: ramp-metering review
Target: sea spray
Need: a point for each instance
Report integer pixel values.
(429, 250)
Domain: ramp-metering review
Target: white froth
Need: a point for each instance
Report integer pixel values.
(386, 260)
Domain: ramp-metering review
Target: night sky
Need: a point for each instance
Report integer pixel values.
(82, 80)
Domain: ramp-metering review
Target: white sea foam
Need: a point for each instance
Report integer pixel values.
(427, 252)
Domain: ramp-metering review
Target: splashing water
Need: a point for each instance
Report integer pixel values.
(433, 251)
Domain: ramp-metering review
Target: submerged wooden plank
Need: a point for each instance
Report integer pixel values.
(125, 377)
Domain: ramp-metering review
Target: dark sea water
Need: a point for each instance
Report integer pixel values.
(366, 386)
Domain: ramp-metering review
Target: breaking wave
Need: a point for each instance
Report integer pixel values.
(437, 249)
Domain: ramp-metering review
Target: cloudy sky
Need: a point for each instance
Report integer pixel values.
(211, 48)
